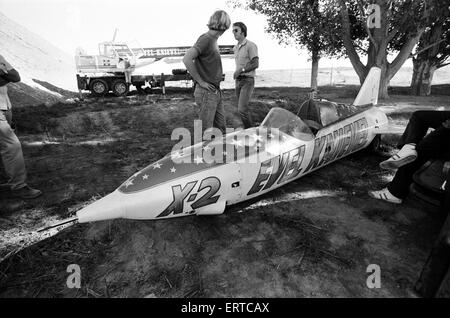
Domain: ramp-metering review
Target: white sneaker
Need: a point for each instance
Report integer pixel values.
(406, 155)
(385, 195)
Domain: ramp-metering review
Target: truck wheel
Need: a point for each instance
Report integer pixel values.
(119, 87)
(98, 87)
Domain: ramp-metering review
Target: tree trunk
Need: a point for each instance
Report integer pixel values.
(314, 70)
(378, 44)
(385, 79)
(422, 78)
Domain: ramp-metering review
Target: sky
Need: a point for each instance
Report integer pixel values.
(69, 24)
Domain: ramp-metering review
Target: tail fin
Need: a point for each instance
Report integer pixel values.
(368, 94)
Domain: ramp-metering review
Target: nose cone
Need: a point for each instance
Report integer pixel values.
(108, 207)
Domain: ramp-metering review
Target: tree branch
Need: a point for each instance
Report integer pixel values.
(348, 44)
(426, 48)
(392, 34)
(404, 53)
(442, 59)
(442, 65)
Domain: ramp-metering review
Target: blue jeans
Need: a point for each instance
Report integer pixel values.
(11, 152)
(210, 108)
(244, 90)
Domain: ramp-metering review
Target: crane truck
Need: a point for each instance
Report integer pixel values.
(117, 66)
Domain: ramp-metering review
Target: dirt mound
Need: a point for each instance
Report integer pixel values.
(63, 92)
(23, 95)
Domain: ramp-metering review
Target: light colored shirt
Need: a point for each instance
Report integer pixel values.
(5, 103)
(243, 53)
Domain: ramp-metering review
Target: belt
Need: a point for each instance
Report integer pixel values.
(243, 76)
(216, 86)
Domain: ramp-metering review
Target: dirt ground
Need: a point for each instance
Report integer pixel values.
(314, 237)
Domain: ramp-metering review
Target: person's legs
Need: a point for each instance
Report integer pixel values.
(434, 145)
(416, 130)
(237, 90)
(419, 123)
(246, 86)
(206, 106)
(399, 186)
(446, 202)
(12, 156)
(219, 118)
(128, 76)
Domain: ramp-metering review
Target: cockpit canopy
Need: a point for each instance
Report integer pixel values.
(321, 113)
(288, 123)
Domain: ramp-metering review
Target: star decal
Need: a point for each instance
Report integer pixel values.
(258, 145)
(176, 155)
(173, 170)
(198, 160)
(157, 165)
(129, 182)
(145, 177)
(257, 137)
(236, 142)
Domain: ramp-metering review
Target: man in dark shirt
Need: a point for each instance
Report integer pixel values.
(10, 147)
(204, 64)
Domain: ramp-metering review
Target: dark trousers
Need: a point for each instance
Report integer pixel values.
(432, 146)
(244, 90)
(446, 203)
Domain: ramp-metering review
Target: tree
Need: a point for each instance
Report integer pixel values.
(432, 53)
(329, 27)
(305, 23)
(398, 28)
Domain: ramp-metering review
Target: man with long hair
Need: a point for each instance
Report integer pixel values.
(204, 64)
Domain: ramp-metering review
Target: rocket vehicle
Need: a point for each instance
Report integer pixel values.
(205, 178)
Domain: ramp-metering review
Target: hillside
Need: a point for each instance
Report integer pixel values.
(47, 73)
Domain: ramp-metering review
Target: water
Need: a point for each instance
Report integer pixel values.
(340, 76)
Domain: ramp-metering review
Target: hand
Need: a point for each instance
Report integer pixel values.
(237, 73)
(446, 168)
(446, 123)
(3, 68)
(207, 86)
